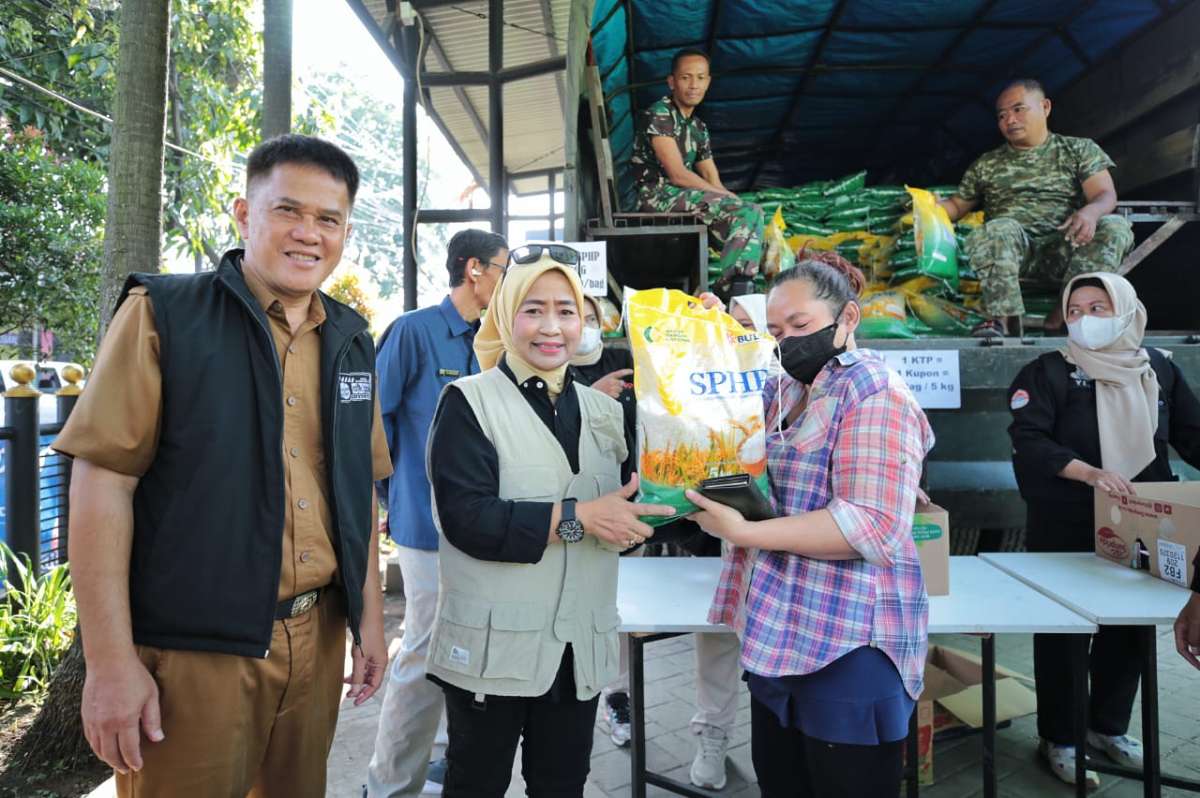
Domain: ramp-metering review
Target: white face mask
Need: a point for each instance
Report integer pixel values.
(1096, 332)
(589, 341)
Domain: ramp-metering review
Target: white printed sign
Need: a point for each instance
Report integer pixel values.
(593, 257)
(931, 374)
(1172, 562)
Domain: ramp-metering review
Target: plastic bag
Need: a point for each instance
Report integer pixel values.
(847, 185)
(937, 249)
(698, 377)
(884, 315)
(779, 256)
(942, 315)
(610, 318)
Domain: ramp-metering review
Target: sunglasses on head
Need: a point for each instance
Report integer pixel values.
(532, 253)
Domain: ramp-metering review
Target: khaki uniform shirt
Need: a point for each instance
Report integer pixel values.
(116, 423)
(1039, 188)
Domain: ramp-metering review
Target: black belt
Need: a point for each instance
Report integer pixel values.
(297, 605)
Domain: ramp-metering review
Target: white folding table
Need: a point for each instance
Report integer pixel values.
(661, 597)
(1109, 595)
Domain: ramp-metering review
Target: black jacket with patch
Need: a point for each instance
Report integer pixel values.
(1054, 421)
(209, 513)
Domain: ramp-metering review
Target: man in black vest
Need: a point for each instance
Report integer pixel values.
(222, 521)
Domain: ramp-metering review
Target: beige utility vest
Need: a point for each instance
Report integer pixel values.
(502, 628)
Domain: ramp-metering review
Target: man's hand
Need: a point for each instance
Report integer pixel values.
(613, 383)
(709, 300)
(369, 663)
(1187, 631)
(1080, 227)
(120, 700)
(719, 520)
(614, 519)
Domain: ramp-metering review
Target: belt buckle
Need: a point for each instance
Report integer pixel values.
(303, 603)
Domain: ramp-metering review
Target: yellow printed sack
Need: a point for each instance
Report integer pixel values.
(698, 376)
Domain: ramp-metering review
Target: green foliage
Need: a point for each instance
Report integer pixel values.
(345, 289)
(37, 624)
(51, 214)
(213, 99)
(71, 49)
(333, 104)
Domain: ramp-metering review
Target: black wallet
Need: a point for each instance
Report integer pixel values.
(741, 493)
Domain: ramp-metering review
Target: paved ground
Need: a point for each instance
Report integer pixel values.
(670, 692)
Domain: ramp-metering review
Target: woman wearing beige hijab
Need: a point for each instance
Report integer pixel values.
(1099, 413)
(527, 468)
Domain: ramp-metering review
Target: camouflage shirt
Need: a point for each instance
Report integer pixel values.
(665, 119)
(1038, 188)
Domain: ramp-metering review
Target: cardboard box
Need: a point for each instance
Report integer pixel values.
(931, 532)
(954, 697)
(1164, 518)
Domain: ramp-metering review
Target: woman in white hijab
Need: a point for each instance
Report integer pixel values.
(750, 311)
(1099, 413)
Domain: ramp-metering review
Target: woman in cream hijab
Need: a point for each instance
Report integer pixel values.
(1098, 414)
(527, 468)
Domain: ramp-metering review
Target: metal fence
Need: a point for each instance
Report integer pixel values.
(34, 479)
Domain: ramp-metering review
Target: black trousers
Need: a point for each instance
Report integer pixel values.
(1115, 671)
(556, 730)
(790, 765)
(1113, 663)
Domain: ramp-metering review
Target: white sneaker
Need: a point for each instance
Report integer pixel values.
(708, 768)
(1061, 759)
(1120, 748)
(616, 718)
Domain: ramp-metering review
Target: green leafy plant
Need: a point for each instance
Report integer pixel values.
(37, 624)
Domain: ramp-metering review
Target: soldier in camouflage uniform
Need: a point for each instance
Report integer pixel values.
(675, 173)
(1048, 202)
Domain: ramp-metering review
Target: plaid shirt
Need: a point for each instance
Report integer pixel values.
(857, 451)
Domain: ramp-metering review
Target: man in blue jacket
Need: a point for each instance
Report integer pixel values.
(419, 354)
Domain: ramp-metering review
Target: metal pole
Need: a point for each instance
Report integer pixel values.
(637, 696)
(277, 68)
(551, 178)
(497, 183)
(1152, 767)
(21, 495)
(989, 716)
(408, 48)
(408, 171)
(68, 395)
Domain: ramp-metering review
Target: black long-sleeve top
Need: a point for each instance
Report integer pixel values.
(465, 474)
(1048, 432)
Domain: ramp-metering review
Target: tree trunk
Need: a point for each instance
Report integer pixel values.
(277, 68)
(55, 741)
(133, 229)
(132, 242)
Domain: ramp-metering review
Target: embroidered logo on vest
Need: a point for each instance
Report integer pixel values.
(354, 386)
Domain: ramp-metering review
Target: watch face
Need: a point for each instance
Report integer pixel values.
(570, 531)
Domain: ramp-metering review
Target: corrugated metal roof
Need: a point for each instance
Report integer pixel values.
(456, 40)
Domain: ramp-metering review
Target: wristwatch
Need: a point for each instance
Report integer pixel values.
(569, 529)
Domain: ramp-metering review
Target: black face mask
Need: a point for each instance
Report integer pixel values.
(803, 356)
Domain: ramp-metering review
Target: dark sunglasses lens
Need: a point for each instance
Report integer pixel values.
(565, 255)
(526, 254)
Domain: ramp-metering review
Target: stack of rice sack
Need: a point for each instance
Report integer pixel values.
(920, 279)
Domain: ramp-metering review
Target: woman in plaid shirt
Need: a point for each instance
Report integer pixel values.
(828, 598)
